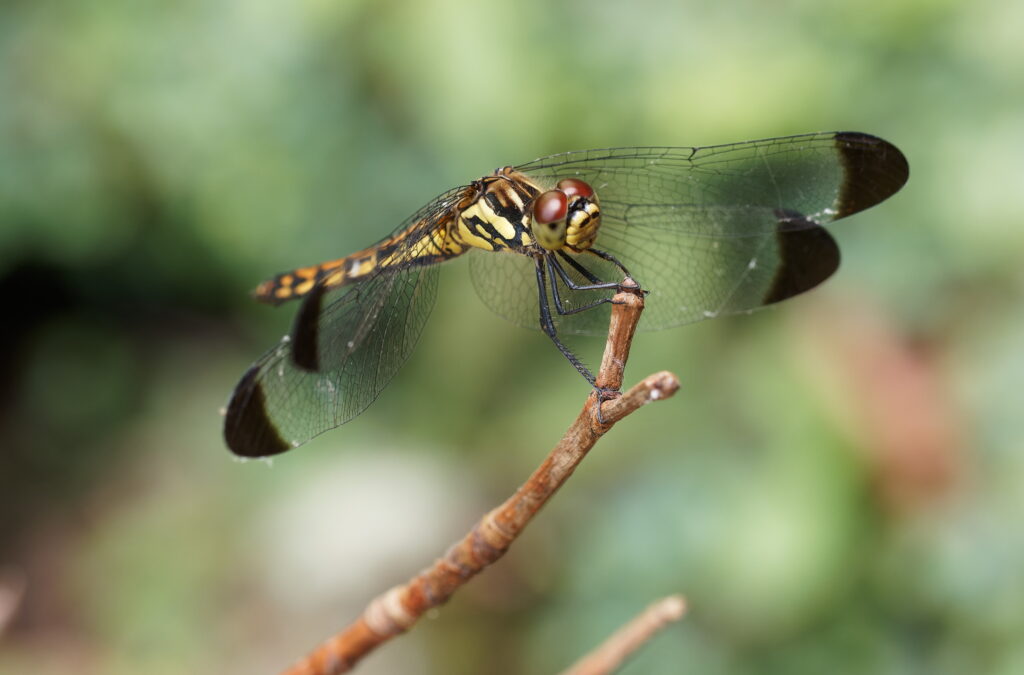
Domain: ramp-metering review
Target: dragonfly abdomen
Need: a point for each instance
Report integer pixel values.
(497, 218)
(413, 246)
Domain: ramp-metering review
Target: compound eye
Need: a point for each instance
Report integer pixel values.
(575, 186)
(550, 207)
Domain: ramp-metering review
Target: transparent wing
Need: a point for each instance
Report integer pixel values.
(708, 231)
(823, 177)
(507, 284)
(688, 278)
(356, 345)
(344, 347)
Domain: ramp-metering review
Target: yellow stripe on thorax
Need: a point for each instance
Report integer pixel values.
(473, 223)
(479, 225)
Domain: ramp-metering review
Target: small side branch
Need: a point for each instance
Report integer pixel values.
(396, 610)
(614, 651)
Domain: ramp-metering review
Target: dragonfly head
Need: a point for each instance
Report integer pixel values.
(569, 215)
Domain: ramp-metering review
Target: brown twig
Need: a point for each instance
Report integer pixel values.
(611, 654)
(396, 610)
(12, 593)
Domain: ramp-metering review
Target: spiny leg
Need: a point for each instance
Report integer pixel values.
(547, 324)
(595, 282)
(591, 277)
(555, 270)
(604, 255)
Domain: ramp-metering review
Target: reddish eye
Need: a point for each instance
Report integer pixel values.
(575, 186)
(550, 207)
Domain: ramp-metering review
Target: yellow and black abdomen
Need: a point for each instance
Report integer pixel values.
(491, 216)
(420, 244)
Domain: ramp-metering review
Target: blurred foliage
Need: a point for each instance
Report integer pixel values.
(836, 488)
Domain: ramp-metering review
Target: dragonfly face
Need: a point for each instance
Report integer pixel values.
(705, 231)
(566, 217)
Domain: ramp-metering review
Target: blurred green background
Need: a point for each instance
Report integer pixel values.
(836, 487)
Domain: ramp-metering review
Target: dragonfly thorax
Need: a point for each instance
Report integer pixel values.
(497, 218)
(511, 212)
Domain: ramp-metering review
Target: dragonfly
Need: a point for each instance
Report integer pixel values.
(705, 232)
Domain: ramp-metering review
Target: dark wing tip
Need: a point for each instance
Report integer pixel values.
(248, 430)
(875, 170)
(807, 256)
(305, 352)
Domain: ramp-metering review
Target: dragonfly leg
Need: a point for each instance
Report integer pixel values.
(595, 282)
(604, 255)
(547, 324)
(555, 269)
(604, 394)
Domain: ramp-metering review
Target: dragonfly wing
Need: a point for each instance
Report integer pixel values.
(823, 176)
(722, 229)
(346, 343)
(693, 277)
(688, 278)
(344, 348)
(507, 284)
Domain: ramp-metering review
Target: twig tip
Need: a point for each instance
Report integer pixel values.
(673, 607)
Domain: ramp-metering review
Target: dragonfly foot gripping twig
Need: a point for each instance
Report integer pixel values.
(397, 609)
